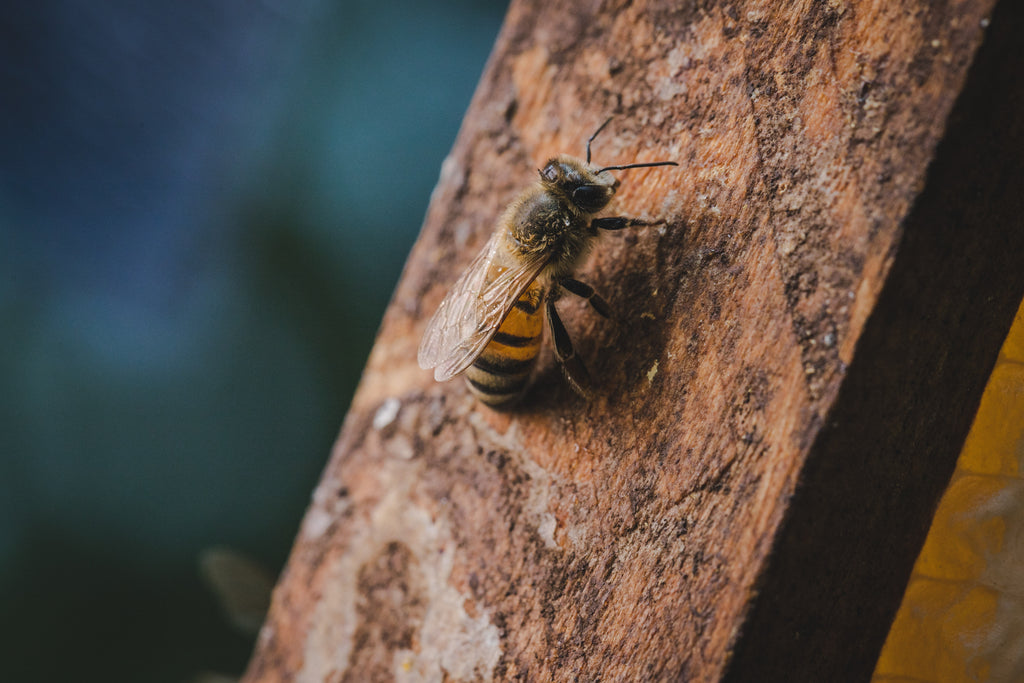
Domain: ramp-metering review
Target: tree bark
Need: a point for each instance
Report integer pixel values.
(796, 358)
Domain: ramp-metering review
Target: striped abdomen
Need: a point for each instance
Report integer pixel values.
(499, 374)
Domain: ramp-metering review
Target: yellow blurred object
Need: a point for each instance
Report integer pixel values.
(241, 585)
(931, 636)
(962, 616)
(960, 540)
(994, 442)
(1013, 348)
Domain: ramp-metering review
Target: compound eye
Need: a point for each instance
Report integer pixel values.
(590, 198)
(550, 173)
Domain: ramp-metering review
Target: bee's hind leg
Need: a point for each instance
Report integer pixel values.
(572, 365)
(585, 291)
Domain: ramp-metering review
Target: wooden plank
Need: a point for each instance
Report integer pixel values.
(889, 445)
(762, 337)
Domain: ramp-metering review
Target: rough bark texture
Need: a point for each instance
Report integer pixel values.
(798, 354)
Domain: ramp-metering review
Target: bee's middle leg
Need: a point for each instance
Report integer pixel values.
(585, 291)
(572, 365)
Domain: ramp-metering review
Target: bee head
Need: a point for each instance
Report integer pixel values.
(584, 187)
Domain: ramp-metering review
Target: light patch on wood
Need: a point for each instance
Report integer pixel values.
(448, 641)
(652, 373)
(542, 482)
(387, 413)
(546, 529)
(316, 523)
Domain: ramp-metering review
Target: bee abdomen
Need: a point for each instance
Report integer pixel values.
(499, 374)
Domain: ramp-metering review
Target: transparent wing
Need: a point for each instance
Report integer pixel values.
(474, 308)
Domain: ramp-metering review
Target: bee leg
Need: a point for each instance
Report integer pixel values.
(585, 291)
(572, 366)
(618, 223)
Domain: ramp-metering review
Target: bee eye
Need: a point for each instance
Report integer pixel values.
(590, 198)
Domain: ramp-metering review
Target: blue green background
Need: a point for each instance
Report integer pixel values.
(204, 208)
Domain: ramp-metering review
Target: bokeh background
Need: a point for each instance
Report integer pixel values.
(204, 209)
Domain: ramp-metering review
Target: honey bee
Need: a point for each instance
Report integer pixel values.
(490, 323)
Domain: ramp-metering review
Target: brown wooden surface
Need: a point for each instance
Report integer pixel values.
(626, 538)
(888, 446)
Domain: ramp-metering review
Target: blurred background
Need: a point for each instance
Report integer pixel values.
(204, 209)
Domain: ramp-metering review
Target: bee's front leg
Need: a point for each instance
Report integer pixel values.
(619, 223)
(572, 365)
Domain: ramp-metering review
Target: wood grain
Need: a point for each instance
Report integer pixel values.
(767, 335)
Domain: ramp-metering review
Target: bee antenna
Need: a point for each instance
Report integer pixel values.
(599, 129)
(644, 165)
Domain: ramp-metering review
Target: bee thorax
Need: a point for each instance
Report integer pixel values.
(540, 221)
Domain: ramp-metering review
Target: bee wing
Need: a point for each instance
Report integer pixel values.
(473, 309)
